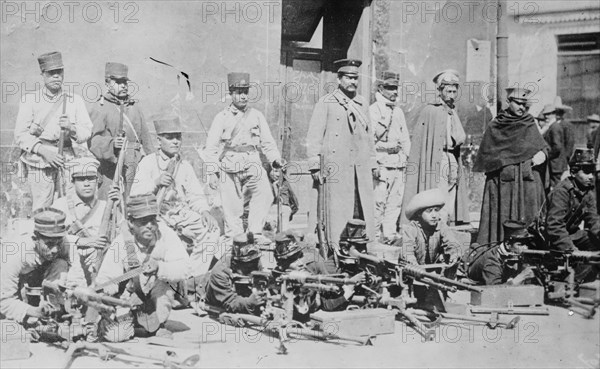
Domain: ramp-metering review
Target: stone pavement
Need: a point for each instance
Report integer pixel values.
(558, 340)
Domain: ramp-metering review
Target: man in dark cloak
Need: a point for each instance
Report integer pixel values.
(511, 153)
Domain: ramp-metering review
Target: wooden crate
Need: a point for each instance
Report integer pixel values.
(360, 322)
(504, 296)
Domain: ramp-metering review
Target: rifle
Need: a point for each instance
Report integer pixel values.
(323, 214)
(108, 224)
(72, 299)
(396, 271)
(61, 188)
(172, 169)
(555, 270)
(168, 359)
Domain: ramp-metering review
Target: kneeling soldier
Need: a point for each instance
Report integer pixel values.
(180, 195)
(32, 259)
(151, 244)
(228, 287)
(499, 264)
(571, 204)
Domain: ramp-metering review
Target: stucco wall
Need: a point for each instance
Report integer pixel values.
(206, 39)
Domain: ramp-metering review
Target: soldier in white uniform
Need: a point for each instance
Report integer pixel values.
(235, 139)
(392, 143)
(42, 116)
(181, 195)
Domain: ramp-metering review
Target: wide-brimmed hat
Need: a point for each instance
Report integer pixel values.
(424, 200)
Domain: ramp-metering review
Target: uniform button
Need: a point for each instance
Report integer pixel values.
(337, 134)
(333, 151)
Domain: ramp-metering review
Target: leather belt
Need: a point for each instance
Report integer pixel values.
(68, 142)
(391, 150)
(241, 148)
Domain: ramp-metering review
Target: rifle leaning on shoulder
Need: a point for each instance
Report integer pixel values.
(108, 225)
(60, 180)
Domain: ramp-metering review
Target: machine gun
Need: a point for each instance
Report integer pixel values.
(555, 270)
(63, 310)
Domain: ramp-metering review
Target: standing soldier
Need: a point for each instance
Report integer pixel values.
(340, 135)
(43, 116)
(232, 152)
(116, 116)
(435, 151)
(392, 143)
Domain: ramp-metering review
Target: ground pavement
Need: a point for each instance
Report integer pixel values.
(559, 340)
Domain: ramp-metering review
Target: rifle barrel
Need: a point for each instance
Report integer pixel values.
(419, 273)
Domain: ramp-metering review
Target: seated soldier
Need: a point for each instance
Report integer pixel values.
(228, 288)
(572, 220)
(84, 213)
(499, 264)
(180, 194)
(151, 244)
(572, 203)
(426, 239)
(29, 260)
(293, 254)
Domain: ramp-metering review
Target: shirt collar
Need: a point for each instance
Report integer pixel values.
(234, 110)
(383, 101)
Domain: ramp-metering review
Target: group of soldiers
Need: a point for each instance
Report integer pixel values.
(128, 206)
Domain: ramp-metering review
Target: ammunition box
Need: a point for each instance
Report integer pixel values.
(362, 322)
(505, 296)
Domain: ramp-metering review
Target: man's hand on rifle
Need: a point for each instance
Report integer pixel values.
(258, 297)
(316, 175)
(118, 142)
(150, 267)
(208, 221)
(164, 180)
(115, 194)
(349, 288)
(43, 310)
(213, 180)
(376, 173)
(65, 123)
(97, 242)
(50, 154)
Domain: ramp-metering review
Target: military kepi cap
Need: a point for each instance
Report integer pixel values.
(515, 230)
(518, 93)
(244, 248)
(287, 244)
(423, 200)
(348, 66)
(390, 78)
(582, 157)
(83, 167)
(238, 80)
(446, 77)
(50, 61)
(142, 206)
(355, 232)
(167, 125)
(49, 222)
(116, 71)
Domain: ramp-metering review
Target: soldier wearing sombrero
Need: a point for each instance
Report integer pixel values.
(42, 116)
(511, 155)
(426, 239)
(30, 259)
